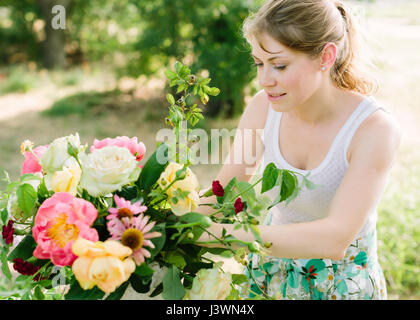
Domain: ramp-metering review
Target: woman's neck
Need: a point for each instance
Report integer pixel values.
(323, 106)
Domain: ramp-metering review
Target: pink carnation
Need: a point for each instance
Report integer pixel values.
(59, 221)
(137, 149)
(31, 164)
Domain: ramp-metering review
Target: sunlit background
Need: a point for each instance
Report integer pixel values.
(102, 76)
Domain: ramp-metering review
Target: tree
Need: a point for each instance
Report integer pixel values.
(53, 47)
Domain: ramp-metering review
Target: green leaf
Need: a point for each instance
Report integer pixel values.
(247, 193)
(43, 192)
(4, 216)
(38, 294)
(159, 241)
(178, 66)
(153, 168)
(226, 254)
(288, 185)
(24, 249)
(185, 71)
(4, 265)
(279, 183)
(138, 285)
(269, 177)
(239, 278)
(128, 192)
(170, 98)
(213, 91)
(195, 217)
(72, 150)
(119, 292)
(27, 197)
(170, 74)
(226, 197)
(172, 285)
(158, 290)
(77, 293)
(204, 81)
(144, 270)
(194, 267)
(176, 259)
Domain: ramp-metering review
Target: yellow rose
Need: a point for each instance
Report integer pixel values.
(103, 264)
(190, 184)
(67, 179)
(183, 206)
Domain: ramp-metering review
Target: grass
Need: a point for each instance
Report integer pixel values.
(18, 80)
(108, 113)
(84, 103)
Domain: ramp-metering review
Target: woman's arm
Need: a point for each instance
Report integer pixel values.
(358, 193)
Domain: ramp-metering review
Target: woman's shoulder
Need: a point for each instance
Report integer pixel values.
(379, 132)
(381, 123)
(255, 113)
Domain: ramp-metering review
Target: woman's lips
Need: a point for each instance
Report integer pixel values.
(275, 98)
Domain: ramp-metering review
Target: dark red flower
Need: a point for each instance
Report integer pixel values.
(26, 268)
(239, 205)
(217, 189)
(8, 232)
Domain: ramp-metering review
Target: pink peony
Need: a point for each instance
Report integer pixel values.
(31, 164)
(137, 149)
(60, 220)
(125, 208)
(134, 233)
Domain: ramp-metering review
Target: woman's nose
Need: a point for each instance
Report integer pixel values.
(266, 78)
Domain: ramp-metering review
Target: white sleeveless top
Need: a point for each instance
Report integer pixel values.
(313, 204)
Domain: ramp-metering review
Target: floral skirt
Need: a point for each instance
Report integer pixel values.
(358, 276)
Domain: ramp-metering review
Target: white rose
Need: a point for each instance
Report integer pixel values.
(108, 169)
(56, 155)
(210, 284)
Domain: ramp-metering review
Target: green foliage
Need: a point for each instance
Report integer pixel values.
(17, 32)
(209, 31)
(77, 293)
(398, 231)
(172, 285)
(153, 168)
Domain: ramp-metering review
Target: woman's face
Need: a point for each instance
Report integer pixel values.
(281, 70)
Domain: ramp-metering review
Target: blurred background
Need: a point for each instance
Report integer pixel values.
(102, 76)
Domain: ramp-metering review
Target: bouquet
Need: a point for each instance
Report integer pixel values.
(85, 223)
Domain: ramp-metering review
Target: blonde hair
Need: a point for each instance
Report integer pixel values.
(306, 26)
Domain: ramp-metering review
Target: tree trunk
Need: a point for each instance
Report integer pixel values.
(54, 55)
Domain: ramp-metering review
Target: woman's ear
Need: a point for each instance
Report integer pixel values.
(328, 56)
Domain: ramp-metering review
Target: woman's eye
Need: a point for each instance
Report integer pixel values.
(280, 67)
(275, 67)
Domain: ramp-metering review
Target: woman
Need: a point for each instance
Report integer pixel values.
(319, 117)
